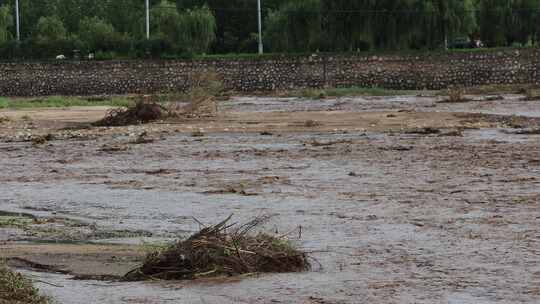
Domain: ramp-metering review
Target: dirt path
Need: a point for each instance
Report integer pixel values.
(401, 200)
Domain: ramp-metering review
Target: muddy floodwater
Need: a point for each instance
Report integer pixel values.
(399, 199)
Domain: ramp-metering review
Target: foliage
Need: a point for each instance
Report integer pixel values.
(295, 27)
(504, 23)
(50, 29)
(187, 27)
(340, 25)
(191, 31)
(166, 22)
(98, 34)
(16, 289)
(197, 29)
(6, 21)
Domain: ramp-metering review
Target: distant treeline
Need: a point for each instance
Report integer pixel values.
(116, 28)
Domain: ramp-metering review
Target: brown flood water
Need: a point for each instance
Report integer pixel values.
(389, 217)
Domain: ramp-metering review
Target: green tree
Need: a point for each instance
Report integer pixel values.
(439, 21)
(166, 22)
(295, 27)
(191, 30)
(98, 34)
(31, 11)
(6, 21)
(236, 21)
(197, 29)
(524, 22)
(50, 29)
(127, 16)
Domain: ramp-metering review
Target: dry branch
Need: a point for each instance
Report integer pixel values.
(222, 249)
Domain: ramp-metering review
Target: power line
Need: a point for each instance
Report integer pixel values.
(357, 11)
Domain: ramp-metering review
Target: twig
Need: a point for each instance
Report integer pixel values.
(48, 283)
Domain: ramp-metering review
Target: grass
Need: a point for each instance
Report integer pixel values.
(15, 221)
(61, 102)
(15, 289)
(350, 91)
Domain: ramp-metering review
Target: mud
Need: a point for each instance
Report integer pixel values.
(392, 215)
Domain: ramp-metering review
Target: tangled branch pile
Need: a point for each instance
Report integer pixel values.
(142, 111)
(223, 249)
(201, 102)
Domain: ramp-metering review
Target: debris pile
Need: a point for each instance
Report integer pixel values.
(223, 249)
(423, 131)
(526, 131)
(142, 111)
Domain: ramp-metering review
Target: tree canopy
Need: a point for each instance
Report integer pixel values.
(230, 26)
(6, 21)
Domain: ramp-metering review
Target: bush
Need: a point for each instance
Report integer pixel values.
(98, 35)
(9, 50)
(14, 288)
(105, 55)
(154, 47)
(50, 29)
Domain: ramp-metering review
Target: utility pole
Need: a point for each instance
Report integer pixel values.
(147, 20)
(259, 13)
(17, 21)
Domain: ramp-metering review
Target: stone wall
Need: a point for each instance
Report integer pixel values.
(418, 71)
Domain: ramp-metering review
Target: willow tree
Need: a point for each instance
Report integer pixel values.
(236, 21)
(456, 17)
(197, 29)
(192, 30)
(524, 22)
(6, 21)
(438, 21)
(364, 24)
(295, 27)
(495, 18)
(347, 24)
(165, 22)
(391, 23)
